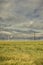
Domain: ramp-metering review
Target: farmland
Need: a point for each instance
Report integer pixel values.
(21, 52)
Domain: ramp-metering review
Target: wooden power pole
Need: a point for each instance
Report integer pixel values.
(34, 35)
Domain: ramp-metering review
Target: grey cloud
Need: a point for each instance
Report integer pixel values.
(30, 9)
(3, 1)
(0, 18)
(6, 8)
(26, 8)
(39, 9)
(14, 12)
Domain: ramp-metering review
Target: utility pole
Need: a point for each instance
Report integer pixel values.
(34, 35)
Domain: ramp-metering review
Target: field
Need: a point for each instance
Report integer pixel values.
(21, 52)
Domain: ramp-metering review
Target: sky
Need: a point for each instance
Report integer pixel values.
(20, 16)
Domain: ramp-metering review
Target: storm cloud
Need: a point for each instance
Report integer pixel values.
(18, 14)
(26, 8)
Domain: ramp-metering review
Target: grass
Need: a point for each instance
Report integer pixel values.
(21, 53)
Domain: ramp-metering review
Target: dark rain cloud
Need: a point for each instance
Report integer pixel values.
(19, 11)
(27, 8)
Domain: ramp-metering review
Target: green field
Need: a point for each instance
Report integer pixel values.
(21, 52)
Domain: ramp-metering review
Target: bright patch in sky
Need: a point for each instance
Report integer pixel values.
(31, 22)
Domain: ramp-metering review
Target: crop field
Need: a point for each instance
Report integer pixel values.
(21, 52)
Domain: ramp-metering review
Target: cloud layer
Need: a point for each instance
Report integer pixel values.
(18, 8)
(21, 15)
